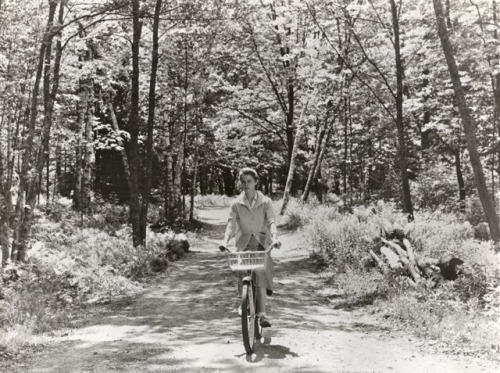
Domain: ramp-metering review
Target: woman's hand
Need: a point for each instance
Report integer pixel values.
(274, 244)
(223, 246)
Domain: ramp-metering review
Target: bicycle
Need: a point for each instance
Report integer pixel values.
(247, 262)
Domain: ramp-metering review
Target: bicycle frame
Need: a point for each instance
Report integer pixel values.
(250, 325)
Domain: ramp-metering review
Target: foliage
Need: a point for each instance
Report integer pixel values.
(75, 263)
(211, 200)
(233, 80)
(436, 188)
(461, 314)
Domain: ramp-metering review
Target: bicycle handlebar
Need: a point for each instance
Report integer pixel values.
(225, 249)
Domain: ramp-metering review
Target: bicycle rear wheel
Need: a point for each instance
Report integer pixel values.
(248, 319)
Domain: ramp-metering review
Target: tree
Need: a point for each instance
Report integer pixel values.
(31, 160)
(403, 157)
(291, 169)
(468, 123)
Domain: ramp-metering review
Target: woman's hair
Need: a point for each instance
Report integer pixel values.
(248, 171)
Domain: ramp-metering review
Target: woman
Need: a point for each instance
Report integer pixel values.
(252, 222)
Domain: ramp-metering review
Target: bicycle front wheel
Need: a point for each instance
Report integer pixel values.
(248, 318)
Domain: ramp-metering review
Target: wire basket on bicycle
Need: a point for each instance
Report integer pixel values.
(246, 260)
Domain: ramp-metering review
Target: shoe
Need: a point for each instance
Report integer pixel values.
(264, 321)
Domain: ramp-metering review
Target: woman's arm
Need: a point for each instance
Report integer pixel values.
(231, 225)
(274, 231)
(271, 220)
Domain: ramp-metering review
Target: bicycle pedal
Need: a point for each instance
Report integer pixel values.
(265, 324)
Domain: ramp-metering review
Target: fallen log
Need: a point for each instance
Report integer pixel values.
(397, 255)
(395, 246)
(405, 259)
(391, 257)
(379, 261)
(410, 252)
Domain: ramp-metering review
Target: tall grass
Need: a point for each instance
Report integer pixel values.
(462, 314)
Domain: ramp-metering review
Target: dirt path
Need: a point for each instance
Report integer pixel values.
(188, 323)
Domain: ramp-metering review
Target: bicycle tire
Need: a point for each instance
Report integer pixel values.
(248, 321)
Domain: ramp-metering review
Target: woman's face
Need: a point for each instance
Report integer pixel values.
(248, 183)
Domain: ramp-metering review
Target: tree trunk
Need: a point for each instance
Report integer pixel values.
(85, 148)
(319, 186)
(312, 170)
(176, 208)
(447, 14)
(58, 172)
(6, 171)
(351, 182)
(264, 184)
(344, 166)
(468, 123)
(29, 175)
(5, 211)
(195, 174)
(150, 125)
(496, 86)
(319, 155)
(289, 119)
(221, 184)
(82, 200)
(271, 182)
(58, 179)
(133, 126)
(228, 181)
(79, 154)
(291, 169)
(460, 178)
(123, 153)
(169, 206)
(49, 97)
(402, 151)
(47, 178)
(88, 147)
(184, 133)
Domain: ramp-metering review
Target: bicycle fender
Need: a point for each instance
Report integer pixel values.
(246, 279)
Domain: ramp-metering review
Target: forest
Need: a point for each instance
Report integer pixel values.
(121, 119)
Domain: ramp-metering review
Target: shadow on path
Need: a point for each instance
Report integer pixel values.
(188, 323)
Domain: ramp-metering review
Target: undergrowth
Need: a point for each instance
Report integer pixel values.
(462, 315)
(211, 200)
(76, 261)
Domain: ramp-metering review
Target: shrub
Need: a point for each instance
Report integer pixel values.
(299, 214)
(78, 260)
(343, 242)
(210, 200)
(474, 212)
(435, 233)
(439, 315)
(463, 313)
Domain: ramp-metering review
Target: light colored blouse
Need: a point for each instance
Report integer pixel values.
(246, 220)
